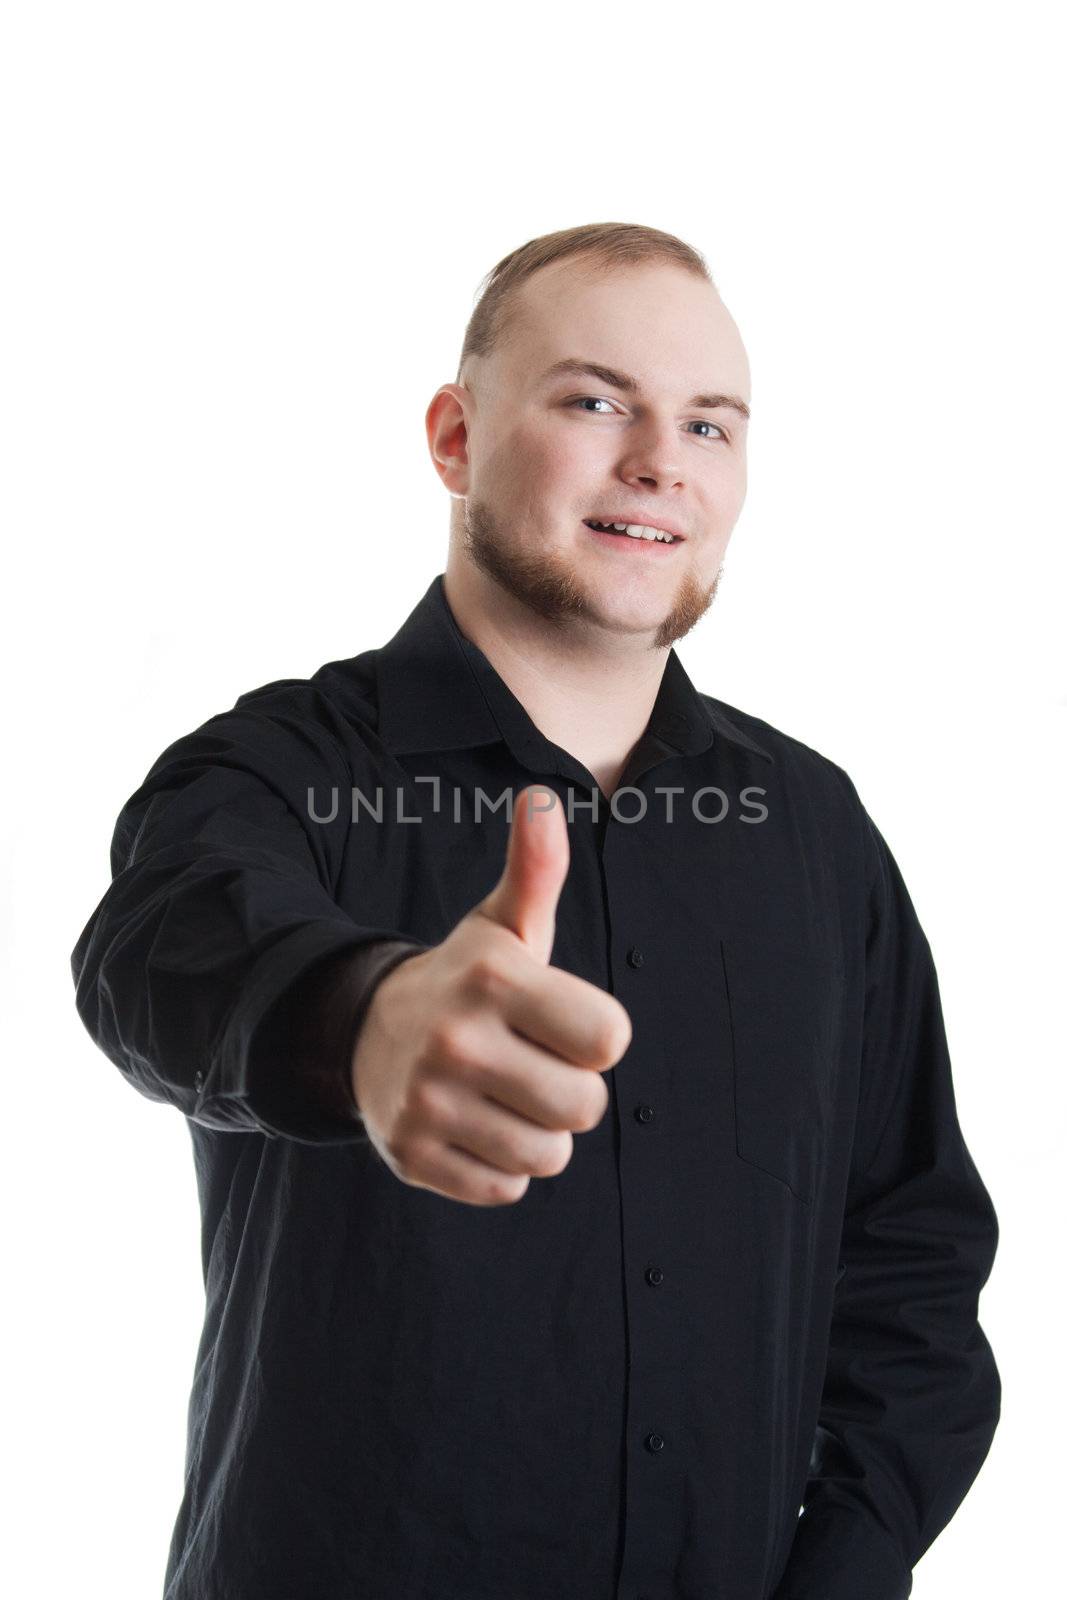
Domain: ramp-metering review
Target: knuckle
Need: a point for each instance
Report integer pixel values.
(486, 978)
(619, 1032)
(405, 1152)
(448, 1041)
(504, 1190)
(554, 1155)
(426, 1100)
(609, 1041)
(595, 1103)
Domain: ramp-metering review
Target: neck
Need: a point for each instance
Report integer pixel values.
(587, 689)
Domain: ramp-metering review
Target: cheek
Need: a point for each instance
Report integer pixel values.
(567, 457)
(728, 490)
(531, 457)
(723, 498)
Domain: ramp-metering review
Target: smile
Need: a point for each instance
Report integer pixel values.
(632, 534)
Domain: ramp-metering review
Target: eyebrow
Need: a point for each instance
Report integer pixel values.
(623, 381)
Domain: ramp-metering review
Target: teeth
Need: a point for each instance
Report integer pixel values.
(636, 530)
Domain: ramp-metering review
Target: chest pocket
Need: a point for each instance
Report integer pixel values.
(781, 1001)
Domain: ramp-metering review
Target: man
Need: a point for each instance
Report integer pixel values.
(585, 1210)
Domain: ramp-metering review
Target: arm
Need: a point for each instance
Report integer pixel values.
(196, 972)
(304, 1050)
(911, 1397)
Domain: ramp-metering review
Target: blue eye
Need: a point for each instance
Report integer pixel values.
(598, 400)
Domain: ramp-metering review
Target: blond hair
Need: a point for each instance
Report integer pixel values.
(607, 244)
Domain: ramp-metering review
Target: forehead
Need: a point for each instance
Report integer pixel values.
(655, 320)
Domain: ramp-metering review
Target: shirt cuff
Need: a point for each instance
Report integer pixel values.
(300, 1062)
(842, 1553)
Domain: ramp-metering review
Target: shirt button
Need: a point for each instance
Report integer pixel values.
(634, 956)
(644, 1113)
(654, 1442)
(654, 1276)
(198, 1081)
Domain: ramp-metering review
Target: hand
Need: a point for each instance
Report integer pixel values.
(477, 1060)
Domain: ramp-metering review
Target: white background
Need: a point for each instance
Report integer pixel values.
(241, 246)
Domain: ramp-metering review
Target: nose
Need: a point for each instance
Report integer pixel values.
(651, 455)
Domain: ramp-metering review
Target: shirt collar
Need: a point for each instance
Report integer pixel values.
(438, 691)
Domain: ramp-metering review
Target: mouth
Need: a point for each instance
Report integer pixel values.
(633, 535)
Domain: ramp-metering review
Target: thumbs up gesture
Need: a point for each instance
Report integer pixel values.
(477, 1060)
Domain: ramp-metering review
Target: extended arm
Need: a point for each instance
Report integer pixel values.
(214, 966)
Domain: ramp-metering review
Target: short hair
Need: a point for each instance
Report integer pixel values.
(607, 244)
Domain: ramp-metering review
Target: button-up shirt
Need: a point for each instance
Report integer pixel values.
(731, 1351)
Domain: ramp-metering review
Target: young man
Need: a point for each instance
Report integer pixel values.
(582, 1188)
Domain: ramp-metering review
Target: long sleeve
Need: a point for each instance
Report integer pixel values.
(220, 929)
(302, 1053)
(911, 1396)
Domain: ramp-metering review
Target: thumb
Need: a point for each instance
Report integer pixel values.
(538, 859)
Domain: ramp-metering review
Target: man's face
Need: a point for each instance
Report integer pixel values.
(544, 452)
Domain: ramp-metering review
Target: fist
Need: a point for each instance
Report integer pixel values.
(477, 1061)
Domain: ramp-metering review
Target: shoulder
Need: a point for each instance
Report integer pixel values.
(336, 707)
(795, 762)
(820, 797)
(319, 725)
(822, 791)
(344, 688)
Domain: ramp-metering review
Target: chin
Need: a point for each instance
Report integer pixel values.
(639, 614)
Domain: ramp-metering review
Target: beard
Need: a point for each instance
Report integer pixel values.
(547, 583)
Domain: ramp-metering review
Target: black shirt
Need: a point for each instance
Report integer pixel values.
(753, 1288)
